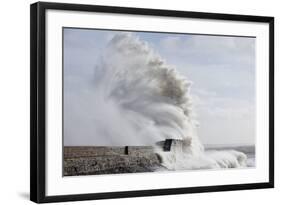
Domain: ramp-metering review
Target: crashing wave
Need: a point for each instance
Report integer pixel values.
(145, 99)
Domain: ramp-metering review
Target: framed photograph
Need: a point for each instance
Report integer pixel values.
(129, 102)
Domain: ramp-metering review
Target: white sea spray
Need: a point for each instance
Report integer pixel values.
(143, 99)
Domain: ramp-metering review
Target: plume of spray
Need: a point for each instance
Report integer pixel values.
(144, 100)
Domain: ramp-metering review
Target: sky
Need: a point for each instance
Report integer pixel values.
(221, 68)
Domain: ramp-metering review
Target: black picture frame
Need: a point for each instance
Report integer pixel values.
(38, 101)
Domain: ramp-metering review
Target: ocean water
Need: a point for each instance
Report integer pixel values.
(249, 150)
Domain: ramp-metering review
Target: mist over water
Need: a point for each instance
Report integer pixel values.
(139, 99)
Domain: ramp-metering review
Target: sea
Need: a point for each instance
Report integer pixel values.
(249, 150)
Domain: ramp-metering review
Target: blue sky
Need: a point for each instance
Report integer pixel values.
(222, 70)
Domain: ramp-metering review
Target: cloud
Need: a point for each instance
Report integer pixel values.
(214, 50)
(224, 120)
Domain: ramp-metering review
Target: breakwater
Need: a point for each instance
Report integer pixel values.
(93, 160)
